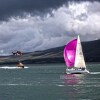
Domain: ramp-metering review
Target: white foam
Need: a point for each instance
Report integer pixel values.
(15, 84)
(94, 72)
(7, 67)
(60, 85)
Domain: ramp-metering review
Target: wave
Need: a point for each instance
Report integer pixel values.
(15, 84)
(94, 72)
(60, 85)
(7, 67)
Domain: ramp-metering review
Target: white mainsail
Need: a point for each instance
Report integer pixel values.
(79, 58)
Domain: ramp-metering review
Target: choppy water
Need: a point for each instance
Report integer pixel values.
(48, 82)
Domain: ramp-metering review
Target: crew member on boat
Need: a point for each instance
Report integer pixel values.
(20, 64)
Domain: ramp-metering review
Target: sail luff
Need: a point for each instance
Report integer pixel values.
(79, 58)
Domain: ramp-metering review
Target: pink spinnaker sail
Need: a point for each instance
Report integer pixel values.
(69, 53)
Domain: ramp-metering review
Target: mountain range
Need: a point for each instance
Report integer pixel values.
(91, 50)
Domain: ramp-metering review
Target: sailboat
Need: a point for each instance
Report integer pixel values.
(74, 58)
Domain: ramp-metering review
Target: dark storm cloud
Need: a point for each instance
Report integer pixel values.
(34, 32)
(16, 7)
(10, 8)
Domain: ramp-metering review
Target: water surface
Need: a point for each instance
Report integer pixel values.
(48, 82)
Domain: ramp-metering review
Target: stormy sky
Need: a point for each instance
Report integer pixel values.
(31, 25)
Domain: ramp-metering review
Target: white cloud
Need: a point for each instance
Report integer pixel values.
(37, 33)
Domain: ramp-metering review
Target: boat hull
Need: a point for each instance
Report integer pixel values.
(78, 71)
(20, 66)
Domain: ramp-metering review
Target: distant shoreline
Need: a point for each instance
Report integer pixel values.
(91, 52)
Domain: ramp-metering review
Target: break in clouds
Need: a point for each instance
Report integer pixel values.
(40, 31)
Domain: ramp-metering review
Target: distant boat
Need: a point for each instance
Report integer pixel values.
(74, 58)
(20, 65)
